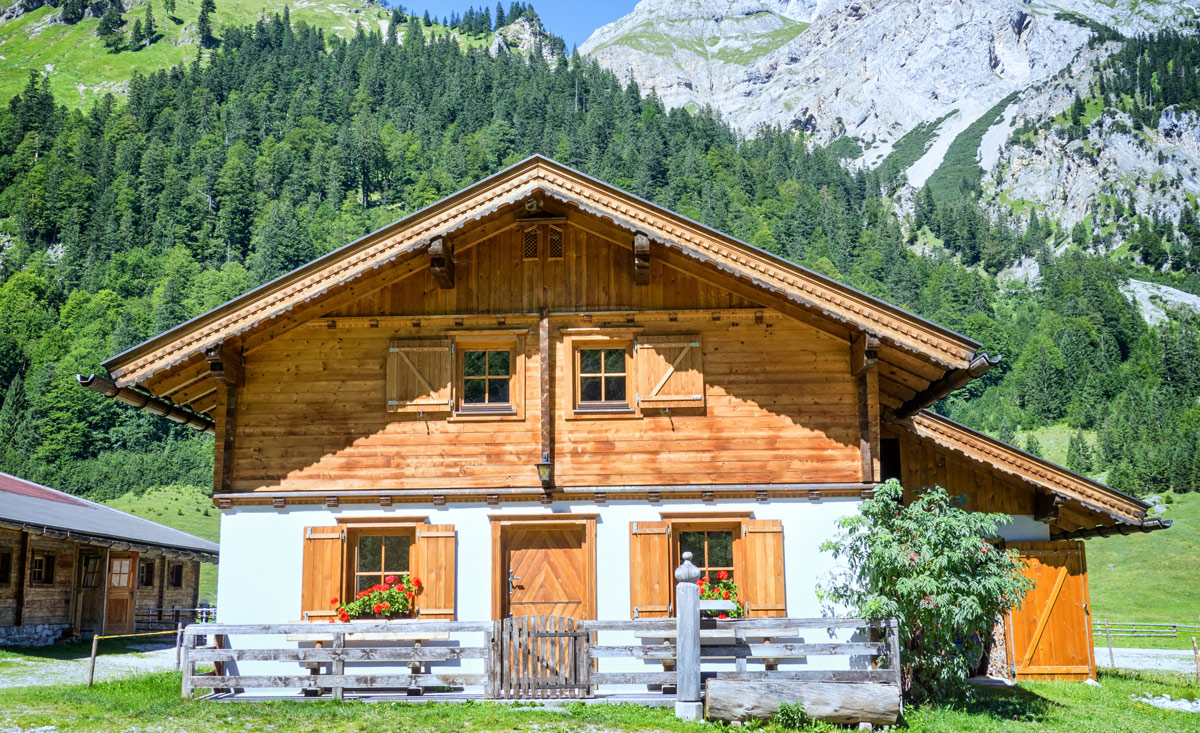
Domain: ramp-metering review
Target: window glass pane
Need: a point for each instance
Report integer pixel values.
(370, 553)
(589, 361)
(395, 552)
(614, 389)
(498, 391)
(498, 363)
(589, 389)
(692, 542)
(614, 361)
(720, 549)
(473, 391)
(474, 363)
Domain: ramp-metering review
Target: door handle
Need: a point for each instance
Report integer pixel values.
(511, 584)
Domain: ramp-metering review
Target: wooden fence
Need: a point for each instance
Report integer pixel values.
(534, 657)
(1145, 630)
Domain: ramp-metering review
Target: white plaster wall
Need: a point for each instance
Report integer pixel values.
(261, 553)
(1023, 528)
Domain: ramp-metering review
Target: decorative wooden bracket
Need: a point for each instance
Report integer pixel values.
(224, 366)
(641, 259)
(331, 502)
(864, 354)
(279, 502)
(385, 500)
(1046, 506)
(441, 263)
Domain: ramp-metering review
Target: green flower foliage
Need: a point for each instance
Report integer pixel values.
(930, 565)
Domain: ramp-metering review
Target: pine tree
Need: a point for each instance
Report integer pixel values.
(281, 244)
(426, 20)
(73, 11)
(1005, 432)
(136, 36)
(1079, 453)
(500, 21)
(109, 29)
(204, 23)
(149, 29)
(1033, 446)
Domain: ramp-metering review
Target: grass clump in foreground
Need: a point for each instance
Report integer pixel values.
(152, 702)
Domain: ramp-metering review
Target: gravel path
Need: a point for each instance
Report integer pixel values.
(29, 670)
(1167, 660)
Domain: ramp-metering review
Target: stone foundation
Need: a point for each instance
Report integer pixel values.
(997, 661)
(31, 634)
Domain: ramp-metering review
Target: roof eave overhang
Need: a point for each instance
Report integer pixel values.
(858, 311)
(1126, 510)
(94, 538)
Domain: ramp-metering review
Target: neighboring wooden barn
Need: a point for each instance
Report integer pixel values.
(537, 392)
(70, 567)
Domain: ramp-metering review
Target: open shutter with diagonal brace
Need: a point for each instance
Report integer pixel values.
(321, 580)
(670, 371)
(650, 569)
(420, 375)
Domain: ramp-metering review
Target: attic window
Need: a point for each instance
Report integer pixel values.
(554, 243)
(529, 243)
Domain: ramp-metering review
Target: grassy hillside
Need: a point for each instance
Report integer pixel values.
(81, 69)
(1149, 577)
(186, 508)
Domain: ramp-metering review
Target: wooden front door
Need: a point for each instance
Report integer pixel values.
(1050, 636)
(118, 606)
(545, 571)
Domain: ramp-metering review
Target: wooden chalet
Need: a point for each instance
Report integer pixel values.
(70, 567)
(542, 385)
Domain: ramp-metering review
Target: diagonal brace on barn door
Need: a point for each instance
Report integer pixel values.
(654, 393)
(1045, 617)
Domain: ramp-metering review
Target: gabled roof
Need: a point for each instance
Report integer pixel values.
(950, 355)
(1119, 512)
(33, 507)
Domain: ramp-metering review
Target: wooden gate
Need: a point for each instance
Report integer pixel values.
(539, 657)
(1050, 637)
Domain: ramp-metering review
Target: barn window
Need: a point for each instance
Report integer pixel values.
(554, 243)
(376, 556)
(529, 243)
(175, 575)
(42, 569)
(146, 574)
(602, 377)
(91, 571)
(487, 377)
(5, 568)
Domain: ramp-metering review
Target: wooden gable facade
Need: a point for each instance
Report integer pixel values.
(542, 317)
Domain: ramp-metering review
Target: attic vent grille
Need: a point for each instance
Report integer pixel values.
(554, 244)
(529, 247)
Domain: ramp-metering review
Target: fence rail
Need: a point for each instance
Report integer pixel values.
(1142, 629)
(168, 619)
(336, 655)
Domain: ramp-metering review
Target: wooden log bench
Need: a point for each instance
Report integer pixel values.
(320, 639)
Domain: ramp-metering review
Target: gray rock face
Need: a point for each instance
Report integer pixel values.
(871, 69)
(523, 36)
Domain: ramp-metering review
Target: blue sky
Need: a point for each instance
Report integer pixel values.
(574, 21)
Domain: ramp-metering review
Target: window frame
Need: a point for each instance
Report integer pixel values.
(511, 341)
(370, 528)
(146, 567)
(175, 575)
(6, 557)
(41, 568)
(685, 521)
(89, 571)
(578, 340)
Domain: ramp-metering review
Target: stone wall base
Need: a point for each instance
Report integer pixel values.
(32, 634)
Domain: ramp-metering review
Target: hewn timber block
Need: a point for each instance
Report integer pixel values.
(279, 502)
(707, 496)
(493, 500)
(841, 703)
(814, 495)
(641, 259)
(654, 497)
(439, 500)
(441, 263)
(385, 500)
(331, 502)
(760, 495)
(867, 494)
(599, 497)
(224, 502)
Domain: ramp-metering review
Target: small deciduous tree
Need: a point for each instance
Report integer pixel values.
(931, 566)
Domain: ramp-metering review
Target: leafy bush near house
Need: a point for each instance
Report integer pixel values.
(929, 565)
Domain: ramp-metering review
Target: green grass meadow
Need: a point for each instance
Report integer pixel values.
(152, 702)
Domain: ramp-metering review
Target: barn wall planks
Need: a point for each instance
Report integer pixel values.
(987, 489)
(780, 404)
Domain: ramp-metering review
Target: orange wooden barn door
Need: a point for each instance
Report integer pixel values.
(118, 617)
(1050, 636)
(546, 567)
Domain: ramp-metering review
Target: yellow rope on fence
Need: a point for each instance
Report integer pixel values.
(147, 633)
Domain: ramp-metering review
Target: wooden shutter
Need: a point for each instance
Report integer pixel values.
(420, 375)
(1049, 636)
(762, 568)
(436, 569)
(670, 371)
(650, 570)
(322, 578)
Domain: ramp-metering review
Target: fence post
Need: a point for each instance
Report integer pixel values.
(178, 644)
(687, 641)
(1196, 656)
(339, 665)
(1112, 662)
(92, 665)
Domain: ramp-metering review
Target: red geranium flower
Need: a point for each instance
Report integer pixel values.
(416, 582)
(390, 579)
(727, 595)
(723, 616)
(333, 602)
(409, 594)
(722, 575)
